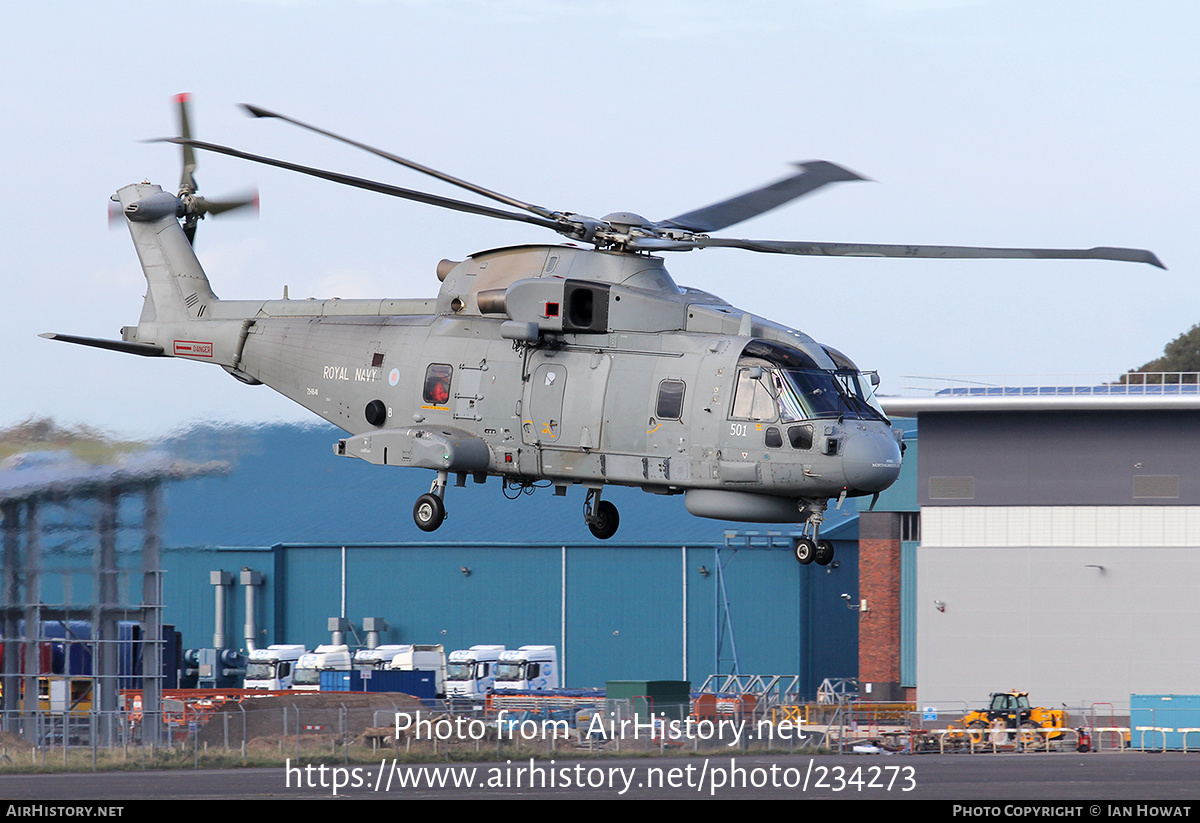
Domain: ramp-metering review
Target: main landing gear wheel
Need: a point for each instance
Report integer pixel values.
(805, 550)
(824, 553)
(604, 524)
(429, 512)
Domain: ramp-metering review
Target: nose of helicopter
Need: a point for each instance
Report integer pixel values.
(871, 461)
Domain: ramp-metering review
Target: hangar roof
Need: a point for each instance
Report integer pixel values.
(1151, 392)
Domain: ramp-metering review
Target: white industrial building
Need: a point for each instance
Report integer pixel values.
(1060, 543)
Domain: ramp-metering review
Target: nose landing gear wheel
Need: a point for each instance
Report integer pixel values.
(824, 553)
(605, 523)
(429, 512)
(805, 550)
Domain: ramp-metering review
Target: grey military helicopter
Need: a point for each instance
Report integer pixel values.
(553, 365)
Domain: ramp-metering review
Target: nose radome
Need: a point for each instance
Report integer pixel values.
(871, 461)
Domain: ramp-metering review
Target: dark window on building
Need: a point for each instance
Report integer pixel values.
(437, 384)
(670, 399)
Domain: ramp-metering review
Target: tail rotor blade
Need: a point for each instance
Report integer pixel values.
(187, 181)
(227, 204)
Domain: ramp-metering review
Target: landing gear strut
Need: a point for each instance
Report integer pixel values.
(600, 515)
(809, 547)
(430, 511)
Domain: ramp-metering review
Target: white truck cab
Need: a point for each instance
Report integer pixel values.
(529, 668)
(307, 677)
(472, 672)
(272, 668)
(424, 658)
(379, 657)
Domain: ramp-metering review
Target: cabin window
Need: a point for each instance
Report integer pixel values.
(670, 400)
(773, 438)
(437, 384)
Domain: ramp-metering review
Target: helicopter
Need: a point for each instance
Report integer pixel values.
(552, 365)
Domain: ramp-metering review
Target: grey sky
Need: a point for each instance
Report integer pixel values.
(985, 123)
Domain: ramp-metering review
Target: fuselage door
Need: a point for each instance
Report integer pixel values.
(543, 423)
(466, 395)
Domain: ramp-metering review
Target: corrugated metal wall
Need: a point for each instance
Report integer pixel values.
(624, 604)
(639, 607)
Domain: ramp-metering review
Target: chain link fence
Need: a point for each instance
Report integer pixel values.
(335, 726)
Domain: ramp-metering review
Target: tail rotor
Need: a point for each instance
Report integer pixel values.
(193, 207)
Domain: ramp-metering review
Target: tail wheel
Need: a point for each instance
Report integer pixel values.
(604, 524)
(429, 512)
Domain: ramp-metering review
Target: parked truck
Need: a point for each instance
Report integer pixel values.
(424, 658)
(326, 658)
(529, 668)
(472, 672)
(273, 668)
(377, 658)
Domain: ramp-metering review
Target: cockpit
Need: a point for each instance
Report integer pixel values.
(776, 382)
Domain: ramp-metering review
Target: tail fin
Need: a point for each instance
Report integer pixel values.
(177, 288)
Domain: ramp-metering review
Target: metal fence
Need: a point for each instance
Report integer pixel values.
(346, 726)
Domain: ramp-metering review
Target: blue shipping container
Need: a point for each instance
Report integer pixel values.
(1165, 721)
(418, 684)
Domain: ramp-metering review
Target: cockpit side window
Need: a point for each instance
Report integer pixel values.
(752, 399)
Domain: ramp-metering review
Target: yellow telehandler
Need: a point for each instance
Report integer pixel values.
(1010, 715)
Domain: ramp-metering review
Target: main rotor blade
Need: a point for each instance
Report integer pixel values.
(884, 250)
(446, 178)
(813, 175)
(371, 185)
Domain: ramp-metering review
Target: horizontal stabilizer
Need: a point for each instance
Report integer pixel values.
(144, 349)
